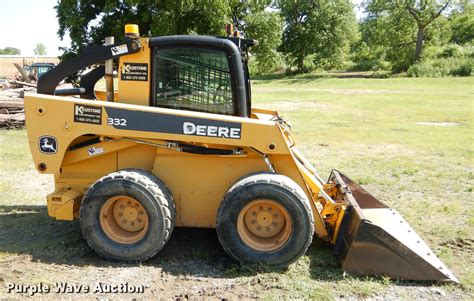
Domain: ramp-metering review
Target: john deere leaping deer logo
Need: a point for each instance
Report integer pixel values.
(48, 145)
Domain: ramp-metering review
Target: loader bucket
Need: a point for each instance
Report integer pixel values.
(375, 239)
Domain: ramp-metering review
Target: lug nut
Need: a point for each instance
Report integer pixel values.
(254, 213)
(270, 208)
(120, 214)
(122, 206)
(274, 224)
(267, 229)
(253, 222)
(259, 228)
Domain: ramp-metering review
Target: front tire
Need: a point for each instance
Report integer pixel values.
(127, 216)
(265, 218)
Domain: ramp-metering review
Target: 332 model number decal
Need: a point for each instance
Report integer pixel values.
(117, 121)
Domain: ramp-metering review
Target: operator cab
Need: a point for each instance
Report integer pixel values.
(195, 73)
(200, 73)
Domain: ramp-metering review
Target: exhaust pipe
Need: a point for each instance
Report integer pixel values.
(109, 72)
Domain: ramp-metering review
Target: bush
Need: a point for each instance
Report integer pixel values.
(372, 65)
(464, 70)
(454, 60)
(451, 50)
(266, 64)
(441, 68)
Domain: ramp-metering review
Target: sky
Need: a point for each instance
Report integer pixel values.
(25, 23)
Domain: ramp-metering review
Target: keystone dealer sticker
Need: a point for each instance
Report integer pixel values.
(134, 71)
(87, 114)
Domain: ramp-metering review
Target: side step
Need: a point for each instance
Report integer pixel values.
(376, 240)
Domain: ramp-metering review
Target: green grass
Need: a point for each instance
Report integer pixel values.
(364, 127)
(368, 129)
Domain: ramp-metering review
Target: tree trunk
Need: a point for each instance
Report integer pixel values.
(419, 42)
(300, 63)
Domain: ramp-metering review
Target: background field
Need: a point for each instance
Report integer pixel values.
(409, 141)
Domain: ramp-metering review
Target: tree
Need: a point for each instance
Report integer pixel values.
(319, 30)
(89, 21)
(462, 23)
(386, 38)
(422, 12)
(40, 49)
(257, 23)
(10, 51)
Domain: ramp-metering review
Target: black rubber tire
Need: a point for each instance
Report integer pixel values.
(153, 195)
(280, 189)
(163, 187)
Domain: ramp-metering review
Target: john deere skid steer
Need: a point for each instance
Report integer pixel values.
(179, 144)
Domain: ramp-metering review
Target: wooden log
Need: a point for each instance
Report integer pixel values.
(23, 83)
(18, 116)
(24, 75)
(11, 104)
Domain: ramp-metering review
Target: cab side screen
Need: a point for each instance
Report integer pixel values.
(192, 78)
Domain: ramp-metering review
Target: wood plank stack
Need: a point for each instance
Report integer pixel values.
(12, 113)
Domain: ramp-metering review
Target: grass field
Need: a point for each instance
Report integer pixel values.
(408, 141)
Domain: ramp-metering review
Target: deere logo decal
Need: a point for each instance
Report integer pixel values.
(48, 145)
(171, 124)
(190, 128)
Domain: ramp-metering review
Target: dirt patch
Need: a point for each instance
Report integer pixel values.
(460, 244)
(439, 123)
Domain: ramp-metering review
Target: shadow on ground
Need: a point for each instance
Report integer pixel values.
(305, 78)
(295, 79)
(27, 230)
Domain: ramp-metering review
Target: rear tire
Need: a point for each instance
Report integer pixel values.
(127, 216)
(265, 218)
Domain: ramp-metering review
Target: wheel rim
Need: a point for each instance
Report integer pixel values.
(264, 225)
(124, 219)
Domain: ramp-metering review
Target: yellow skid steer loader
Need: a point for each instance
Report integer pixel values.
(178, 144)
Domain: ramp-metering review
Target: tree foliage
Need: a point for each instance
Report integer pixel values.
(398, 29)
(90, 21)
(40, 49)
(319, 30)
(10, 51)
(262, 25)
(306, 34)
(462, 23)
